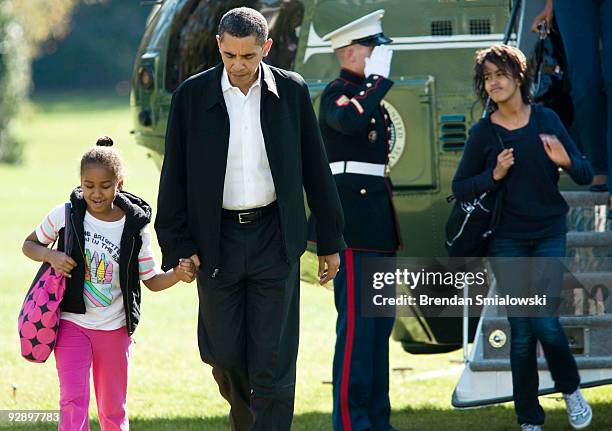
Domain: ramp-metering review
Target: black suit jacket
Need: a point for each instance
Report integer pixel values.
(191, 186)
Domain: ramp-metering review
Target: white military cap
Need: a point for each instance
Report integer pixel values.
(366, 30)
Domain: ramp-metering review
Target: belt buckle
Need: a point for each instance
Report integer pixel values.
(240, 215)
(387, 170)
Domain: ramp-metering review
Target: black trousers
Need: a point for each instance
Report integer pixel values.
(248, 324)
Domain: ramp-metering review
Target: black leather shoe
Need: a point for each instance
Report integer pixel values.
(599, 188)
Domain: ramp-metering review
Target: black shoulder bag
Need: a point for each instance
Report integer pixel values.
(471, 224)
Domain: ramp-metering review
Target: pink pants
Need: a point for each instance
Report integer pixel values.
(105, 352)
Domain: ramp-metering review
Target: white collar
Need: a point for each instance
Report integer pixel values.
(269, 78)
(267, 75)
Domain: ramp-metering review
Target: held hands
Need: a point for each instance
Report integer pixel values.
(379, 62)
(328, 267)
(556, 151)
(505, 160)
(196, 261)
(185, 270)
(60, 262)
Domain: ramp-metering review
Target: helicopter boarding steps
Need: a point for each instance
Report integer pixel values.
(487, 379)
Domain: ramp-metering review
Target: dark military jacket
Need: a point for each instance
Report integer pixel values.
(356, 127)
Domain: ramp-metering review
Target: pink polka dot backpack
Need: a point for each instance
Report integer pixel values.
(40, 313)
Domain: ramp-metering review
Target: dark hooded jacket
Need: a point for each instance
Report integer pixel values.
(137, 216)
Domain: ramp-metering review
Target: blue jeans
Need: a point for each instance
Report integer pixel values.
(525, 332)
(583, 24)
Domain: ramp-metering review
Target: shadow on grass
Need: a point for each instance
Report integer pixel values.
(79, 101)
(495, 418)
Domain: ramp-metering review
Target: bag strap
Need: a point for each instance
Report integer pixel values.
(495, 132)
(68, 234)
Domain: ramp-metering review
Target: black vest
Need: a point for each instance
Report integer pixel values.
(137, 215)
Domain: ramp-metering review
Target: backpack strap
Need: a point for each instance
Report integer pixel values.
(68, 234)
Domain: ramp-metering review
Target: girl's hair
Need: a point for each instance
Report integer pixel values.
(103, 155)
(511, 61)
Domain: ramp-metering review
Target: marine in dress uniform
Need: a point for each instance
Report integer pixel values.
(356, 130)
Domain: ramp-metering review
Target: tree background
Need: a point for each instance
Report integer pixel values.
(14, 79)
(97, 54)
(61, 45)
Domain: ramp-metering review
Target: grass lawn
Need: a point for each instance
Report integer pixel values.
(170, 389)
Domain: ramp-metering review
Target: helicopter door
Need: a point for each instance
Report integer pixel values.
(412, 155)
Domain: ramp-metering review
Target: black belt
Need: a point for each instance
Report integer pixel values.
(249, 215)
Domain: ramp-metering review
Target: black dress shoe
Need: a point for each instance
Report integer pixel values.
(599, 188)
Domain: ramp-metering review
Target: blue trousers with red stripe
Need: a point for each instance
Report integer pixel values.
(361, 358)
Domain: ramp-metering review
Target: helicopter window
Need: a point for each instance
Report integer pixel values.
(480, 26)
(192, 46)
(442, 28)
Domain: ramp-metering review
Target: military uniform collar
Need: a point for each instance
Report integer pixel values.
(351, 76)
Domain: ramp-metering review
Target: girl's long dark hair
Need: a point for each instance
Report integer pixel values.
(511, 61)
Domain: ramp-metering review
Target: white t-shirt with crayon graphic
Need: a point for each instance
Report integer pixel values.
(102, 292)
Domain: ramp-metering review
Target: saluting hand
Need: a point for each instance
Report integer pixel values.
(505, 160)
(556, 151)
(328, 267)
(379, 62)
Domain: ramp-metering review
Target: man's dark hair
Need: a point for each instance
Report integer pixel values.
(511, 62)
(244, 22)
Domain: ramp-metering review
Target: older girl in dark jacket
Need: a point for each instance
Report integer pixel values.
(533, 218)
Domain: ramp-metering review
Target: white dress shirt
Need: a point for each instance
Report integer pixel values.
(248, 179)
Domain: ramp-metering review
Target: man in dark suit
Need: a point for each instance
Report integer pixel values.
(242, 144)
(356, 130)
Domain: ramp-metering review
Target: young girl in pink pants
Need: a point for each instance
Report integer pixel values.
(111, 254)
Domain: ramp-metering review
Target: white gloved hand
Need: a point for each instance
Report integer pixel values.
(379, 62)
